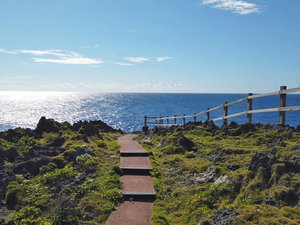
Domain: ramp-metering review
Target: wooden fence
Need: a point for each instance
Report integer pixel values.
(173, 120)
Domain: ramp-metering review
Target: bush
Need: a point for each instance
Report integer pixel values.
(58, 174)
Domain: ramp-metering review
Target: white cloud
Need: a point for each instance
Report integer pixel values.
(71, 60)
(61, 57)
(123, 64)
(43, 52)
(238, 6)
(6, 51)
(163, 58)
(136, 59)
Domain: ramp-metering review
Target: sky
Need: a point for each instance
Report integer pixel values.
(194, 46)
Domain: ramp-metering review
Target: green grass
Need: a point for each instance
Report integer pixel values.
(180, 201)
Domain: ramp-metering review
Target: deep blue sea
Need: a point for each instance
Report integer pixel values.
(127, 110)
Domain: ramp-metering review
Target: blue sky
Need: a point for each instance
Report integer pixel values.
(149, 45)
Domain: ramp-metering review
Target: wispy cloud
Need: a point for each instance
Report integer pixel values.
(123, 64)
(56, 56)
(6, 51)
(237, 6)
(163, 58)
(67, 57)
(137, 59)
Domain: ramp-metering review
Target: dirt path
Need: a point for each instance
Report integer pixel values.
(137, 185)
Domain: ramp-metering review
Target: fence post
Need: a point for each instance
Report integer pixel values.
(175, 119)
(167, 120)
(225, 113)
(183, 119)
(195, 118)
(161, 120)
(282, 104)
(249, 108)
(207, 114)
(145, 128)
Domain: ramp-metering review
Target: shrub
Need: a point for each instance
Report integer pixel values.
(58, 174)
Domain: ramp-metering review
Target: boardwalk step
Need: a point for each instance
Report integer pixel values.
(136, 170)
(135, 195)
(128, 154)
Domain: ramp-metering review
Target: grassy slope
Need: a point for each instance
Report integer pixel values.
(88, 203)
(176, 165)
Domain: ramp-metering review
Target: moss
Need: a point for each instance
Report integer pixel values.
(228, 152)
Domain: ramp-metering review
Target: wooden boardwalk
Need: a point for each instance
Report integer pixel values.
(137, 184)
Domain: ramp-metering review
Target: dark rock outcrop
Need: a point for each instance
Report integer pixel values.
(47, 125)
(224, 217)
(6, 175)
(11, 154)
(262, 160)
(293, 164)
(44, 151)
(31, 166)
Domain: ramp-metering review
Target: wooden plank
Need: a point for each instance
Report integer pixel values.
(292, 90)
(216, 108)
(200, 113)
(263, 110)
(289, 108)
(263, 95)
(237, 101)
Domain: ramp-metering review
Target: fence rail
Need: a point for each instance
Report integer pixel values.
(165, 121)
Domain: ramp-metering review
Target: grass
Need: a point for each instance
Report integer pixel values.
(227, 152)
(35, 199)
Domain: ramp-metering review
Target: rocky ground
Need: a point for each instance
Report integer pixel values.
(236, 174)
(59, 173)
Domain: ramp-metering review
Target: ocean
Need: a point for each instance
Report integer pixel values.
(126, 111)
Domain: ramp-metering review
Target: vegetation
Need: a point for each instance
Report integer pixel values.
(251, 172)
(78, 178)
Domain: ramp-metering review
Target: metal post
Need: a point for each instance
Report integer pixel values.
(156, 122)
(167, 120)
(175, 119)
(183, 119)
(282, 104)
(145, 128)
(225, 113)
(249, 108)
(195, 118)
(162, 120)
(207, 114)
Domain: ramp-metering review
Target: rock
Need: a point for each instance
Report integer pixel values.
(84, 149)
(217, 156)
(65, 184)
(223, 180)
(89, 130)
(31, 166)
(268, 201)
(233, 167)
(44, 151)
(293, 164)
(243, 129)
(207, 177)
(11, 154)
(262, 160)
(47, 125)
(1, 156)
(224, 216)
(57, 142)
(210, 126)
(185, 142)
(6, 175)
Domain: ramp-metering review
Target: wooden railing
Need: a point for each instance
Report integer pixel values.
(166, 121)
